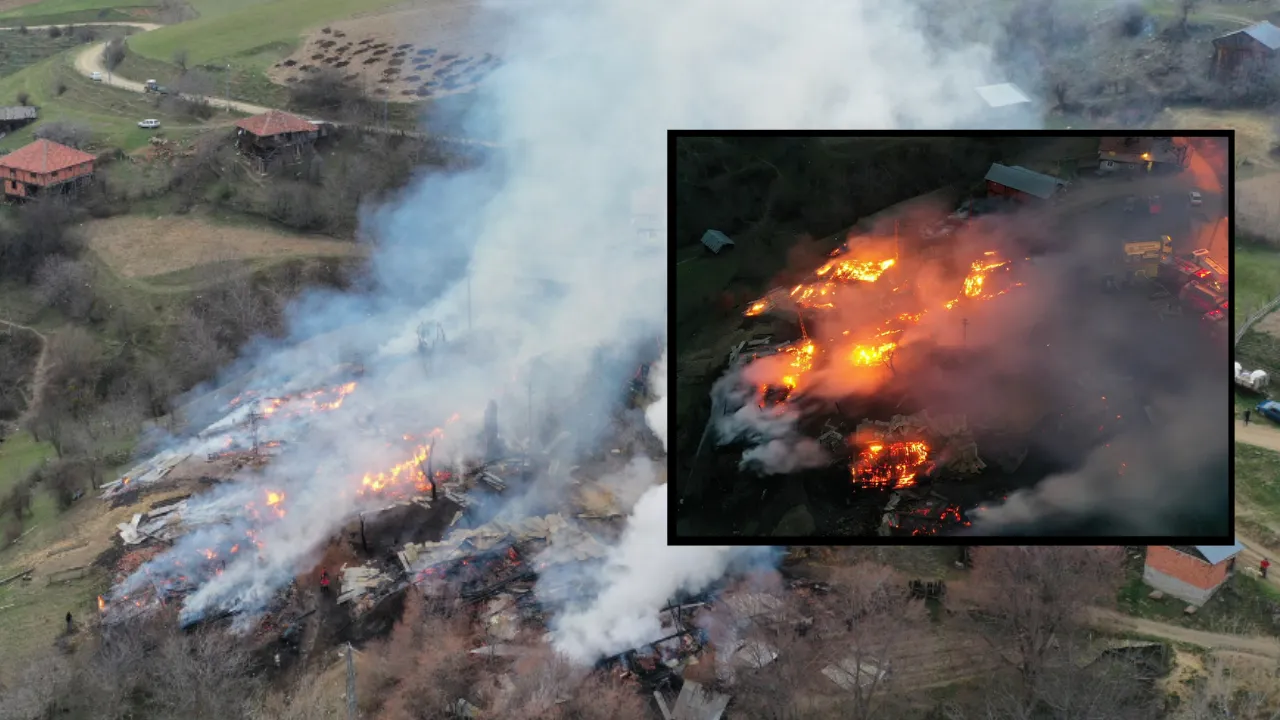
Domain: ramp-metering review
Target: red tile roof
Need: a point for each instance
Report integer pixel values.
(274, 122)
(44, 156)
(1192, 570)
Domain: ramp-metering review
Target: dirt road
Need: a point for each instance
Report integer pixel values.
(1115, 621)
(1259, 434)
(89, 60)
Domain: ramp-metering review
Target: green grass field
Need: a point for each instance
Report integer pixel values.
(22, 50)
(1240, 606)
(1257, 481)
(111, 114)
(19, 455)
(62, 12)
(1257, 277)
(229, 29)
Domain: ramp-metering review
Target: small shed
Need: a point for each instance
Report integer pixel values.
(1253, 46)
(1021, 184)
(14, 117)
(716, 240)
(274, 132)
(1190, 572)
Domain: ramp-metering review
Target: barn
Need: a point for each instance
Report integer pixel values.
(43, 167)
(1190, 572)
(1250, 48)
(16, 116)
(276, 135)
(1018, 183)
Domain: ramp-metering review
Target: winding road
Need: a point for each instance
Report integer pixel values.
(89, 60)
(1261, 646)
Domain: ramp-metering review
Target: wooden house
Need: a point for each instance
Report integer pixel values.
(1253, 47)
(42, 167)
(276, 135)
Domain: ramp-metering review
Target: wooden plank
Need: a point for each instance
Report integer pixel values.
(11, 578)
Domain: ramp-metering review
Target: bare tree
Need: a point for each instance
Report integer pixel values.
(41, 228)
(23, 98)
(196, 353)
(113, 53)
(1027, 601)
(65, 133)
(66, 285)
(1185, 9)
(421, 669)
(180, 57)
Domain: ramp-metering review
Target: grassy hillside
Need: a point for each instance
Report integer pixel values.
(234, 28)
(111, 114)
(1257, 277)
(61, 12)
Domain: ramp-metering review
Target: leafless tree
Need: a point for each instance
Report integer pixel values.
(94, 440)
(40, 229)
(65, 480)
(66, 285)
(41, 681)
(113, 53)
(1028, 601)
(421, 669)
(62, 132)
(180, 57)
(1185, 8)
(196, 352)
(23, 98)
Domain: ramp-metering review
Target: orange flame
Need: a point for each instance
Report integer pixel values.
(893, 465)
(102, 604)
(274, 498)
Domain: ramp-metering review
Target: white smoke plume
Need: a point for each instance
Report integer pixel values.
(529, 262)
(656, 414)
(777, 446)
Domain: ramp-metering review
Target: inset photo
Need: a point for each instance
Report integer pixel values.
(880, 337)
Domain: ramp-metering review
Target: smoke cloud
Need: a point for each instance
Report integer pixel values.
(1110, 389)
(522, 278)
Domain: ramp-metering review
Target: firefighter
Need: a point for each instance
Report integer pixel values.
(1263, 566)
(1246, 418)
(324, 581)
(69, 621)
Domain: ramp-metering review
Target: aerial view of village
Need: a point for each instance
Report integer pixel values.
(334, 358)
(1014, 354)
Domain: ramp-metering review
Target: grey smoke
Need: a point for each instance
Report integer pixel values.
(531, 259)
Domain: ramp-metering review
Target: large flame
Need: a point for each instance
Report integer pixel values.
(891, 464)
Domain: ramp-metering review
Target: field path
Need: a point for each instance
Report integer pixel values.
(1261, 646)
(89, 60)
(37, 375)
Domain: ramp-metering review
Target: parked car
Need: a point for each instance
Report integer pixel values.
(1196, 200)
(149, 124)
(1270, 409)
(96, 77)
(1153, 204)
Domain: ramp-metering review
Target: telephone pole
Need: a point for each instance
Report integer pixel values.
(228, 87)
(964, 332)
(353, 709)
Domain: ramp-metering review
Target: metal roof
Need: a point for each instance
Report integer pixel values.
(1002, 95)
(1023, 180)
(1265, 33)
(716, 240)
(18, 112)
(1217, 553)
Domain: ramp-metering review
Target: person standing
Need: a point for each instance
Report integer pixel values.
(1263, 566)
(1246, 418)
(69, 622)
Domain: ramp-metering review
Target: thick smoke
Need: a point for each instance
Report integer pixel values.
(1095, 381)
(528, 262)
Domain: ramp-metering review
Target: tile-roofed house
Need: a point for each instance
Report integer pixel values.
(1190, 572)
(42, 165)
(1254, 46)
(1020, 183)
(263, 137)
(275, 122)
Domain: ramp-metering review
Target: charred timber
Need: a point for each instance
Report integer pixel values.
(495, 588)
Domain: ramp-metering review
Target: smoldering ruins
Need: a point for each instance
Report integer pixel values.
(1009, 376)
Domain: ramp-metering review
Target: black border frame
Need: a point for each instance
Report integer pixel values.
(944, 540)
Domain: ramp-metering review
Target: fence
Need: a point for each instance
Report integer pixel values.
(1255, 317)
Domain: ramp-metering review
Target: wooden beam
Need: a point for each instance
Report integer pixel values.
(11, 578)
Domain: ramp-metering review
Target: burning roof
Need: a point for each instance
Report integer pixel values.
(565, 542)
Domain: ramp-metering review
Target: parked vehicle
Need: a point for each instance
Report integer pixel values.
(1196, 200)
(152, 86)
(1253, 380)
(149, 124)
(1270, 409)
(96, 76)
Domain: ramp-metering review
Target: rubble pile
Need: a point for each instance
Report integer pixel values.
(162, 523)
(146, 473)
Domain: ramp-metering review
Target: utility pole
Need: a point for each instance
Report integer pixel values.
(228, 87)
(964, 332)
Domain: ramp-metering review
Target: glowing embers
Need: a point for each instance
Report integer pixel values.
(883, 464)
(860, 270)
(976, 285)
(801, 361)
(757, 307)
(872, 354)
